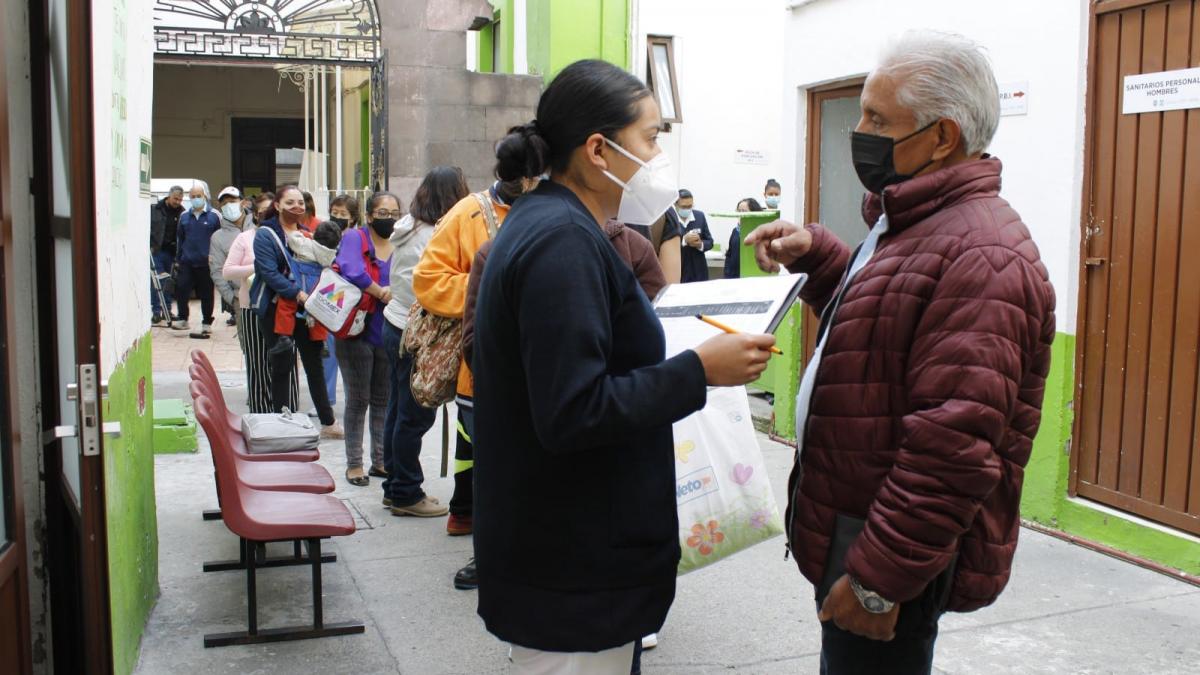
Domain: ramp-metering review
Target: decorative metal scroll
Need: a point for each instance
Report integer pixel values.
(379, 122)
(268, 30)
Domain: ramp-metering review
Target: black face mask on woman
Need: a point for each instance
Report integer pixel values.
(384, 226)
(874, 161)
(340, 222)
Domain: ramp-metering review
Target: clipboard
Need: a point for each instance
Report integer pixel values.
(750, 305)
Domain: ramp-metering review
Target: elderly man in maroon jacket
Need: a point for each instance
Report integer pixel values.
(917, 413)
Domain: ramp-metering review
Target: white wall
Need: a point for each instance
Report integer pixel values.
(729, 65)
(123, 68)
(1040, 42)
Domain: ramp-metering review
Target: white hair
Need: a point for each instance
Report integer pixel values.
(944, 75)
(203, 188)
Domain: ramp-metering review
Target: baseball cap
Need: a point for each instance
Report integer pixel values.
(229, 192)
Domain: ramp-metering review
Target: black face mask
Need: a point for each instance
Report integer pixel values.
(873, 161)
(384, 226)
(342, 223)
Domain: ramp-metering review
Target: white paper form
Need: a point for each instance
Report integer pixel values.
(749, 305)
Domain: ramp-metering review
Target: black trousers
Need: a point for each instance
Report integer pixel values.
(188, 278)
(844, 653)
(282, 364)
(462, 502)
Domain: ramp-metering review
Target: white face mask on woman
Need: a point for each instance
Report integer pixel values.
(650, 191)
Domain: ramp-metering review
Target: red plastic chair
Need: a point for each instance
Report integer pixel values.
(278, 476)
(258, 517)
(233, 421)
(307, 477)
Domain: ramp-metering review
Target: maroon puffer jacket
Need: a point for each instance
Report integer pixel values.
(929, 392)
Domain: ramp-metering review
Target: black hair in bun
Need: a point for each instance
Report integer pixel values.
(523, 153)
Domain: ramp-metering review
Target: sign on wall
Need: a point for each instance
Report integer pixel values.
(144, 166)
(1159, 92)
(755, 157)
(1014, 98)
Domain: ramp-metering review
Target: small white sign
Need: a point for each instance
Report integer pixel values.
(757, 157)
(1014, 98)
(1159, 92)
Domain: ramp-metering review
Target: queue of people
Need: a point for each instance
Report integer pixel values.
(935, 335)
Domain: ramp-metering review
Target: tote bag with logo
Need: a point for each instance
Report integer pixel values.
(722, 490)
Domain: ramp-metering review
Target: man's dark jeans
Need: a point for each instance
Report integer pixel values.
(844, 653)
(407, 422)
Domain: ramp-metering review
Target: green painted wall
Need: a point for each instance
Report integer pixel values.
(560, 33)
(1044, 499)
(487, 35)
(502, 62)
(129, 496)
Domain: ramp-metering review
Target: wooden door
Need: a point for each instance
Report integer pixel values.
(15, 656)
(832, 191)
(68, 334)
(1137, 428)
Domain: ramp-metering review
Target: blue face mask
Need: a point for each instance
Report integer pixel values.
(685, 213)
(773, 202)
(199, 203)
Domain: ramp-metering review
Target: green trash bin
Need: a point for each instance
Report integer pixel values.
(781, 379)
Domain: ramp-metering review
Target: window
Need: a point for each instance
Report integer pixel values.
(497, 35)
(660, 75)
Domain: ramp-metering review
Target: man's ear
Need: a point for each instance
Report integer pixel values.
(949, 139)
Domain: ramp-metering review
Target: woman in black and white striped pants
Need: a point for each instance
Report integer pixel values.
(239, 266)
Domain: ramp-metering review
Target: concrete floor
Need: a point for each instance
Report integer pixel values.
(1067, 609)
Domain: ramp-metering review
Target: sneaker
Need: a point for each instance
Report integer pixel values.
(387, 502)
(467, 579)
(180, 325)
(429, 507)
(458, 526)
(206, 329)
(649, 642)
(159, 321)
(332, 432)
(314, 413)
(231, 321)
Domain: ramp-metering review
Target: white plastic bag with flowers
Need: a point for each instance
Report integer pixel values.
(722, 490)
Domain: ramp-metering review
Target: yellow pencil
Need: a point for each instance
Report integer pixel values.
(731, 330)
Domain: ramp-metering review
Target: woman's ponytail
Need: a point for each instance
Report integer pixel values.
(522, 153)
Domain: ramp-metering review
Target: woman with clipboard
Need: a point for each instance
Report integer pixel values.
(576, 532)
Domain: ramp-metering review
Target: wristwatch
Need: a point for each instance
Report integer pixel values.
(870, 600)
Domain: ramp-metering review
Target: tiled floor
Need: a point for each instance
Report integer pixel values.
(171, 347)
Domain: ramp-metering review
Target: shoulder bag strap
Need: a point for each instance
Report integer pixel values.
(489, 212)
(286, 256)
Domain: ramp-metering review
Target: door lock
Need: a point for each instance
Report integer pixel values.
(87, 393)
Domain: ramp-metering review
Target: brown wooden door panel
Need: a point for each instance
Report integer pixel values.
(1138, 430)
(1166, 263)
(1120, 260)
(1099, 246)
(1141, 268)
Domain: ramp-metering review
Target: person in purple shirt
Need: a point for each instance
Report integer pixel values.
(363, 360)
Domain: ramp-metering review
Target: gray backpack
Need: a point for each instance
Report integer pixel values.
(279, 432)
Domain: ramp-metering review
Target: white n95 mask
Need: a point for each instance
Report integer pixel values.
(649, 193)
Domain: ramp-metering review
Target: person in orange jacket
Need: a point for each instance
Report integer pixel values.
(440, 285)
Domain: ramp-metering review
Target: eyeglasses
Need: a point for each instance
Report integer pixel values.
(387, 214)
